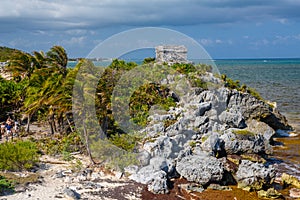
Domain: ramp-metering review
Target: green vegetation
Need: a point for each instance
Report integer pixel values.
(21, 155)
(193, 144)
(6, 53)
(204, 138)
(60, 144)
(113, 156)
(231, 84)
(5, 185)
(243, 132)
(146, 96)
(148, 60)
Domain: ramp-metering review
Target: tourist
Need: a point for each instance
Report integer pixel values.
(8, 127)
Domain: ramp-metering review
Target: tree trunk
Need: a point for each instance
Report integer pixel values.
(87, 145)
(28, 123)
(53, 123)
(70, 125)
(51, 127)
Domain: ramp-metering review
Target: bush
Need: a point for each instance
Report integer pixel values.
(21, 155)
(5, 186)
(124, 141)
(115, 158)
(62, 144)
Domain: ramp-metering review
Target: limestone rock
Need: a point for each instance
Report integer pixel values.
(253, 176)
(233, 119)
(158, 184)
(171, 54)
(261, 128)
(242, 141)
(200, 169)
(71, 193)
(202, 108)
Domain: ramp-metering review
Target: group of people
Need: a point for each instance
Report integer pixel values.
(10, 128)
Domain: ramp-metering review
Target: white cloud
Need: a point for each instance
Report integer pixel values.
(206, 42)
(297, 37)
(218, 41)
(283, 21)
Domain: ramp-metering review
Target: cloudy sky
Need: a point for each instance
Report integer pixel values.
(225, 28)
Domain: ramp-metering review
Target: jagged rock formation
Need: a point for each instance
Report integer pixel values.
(208, 129)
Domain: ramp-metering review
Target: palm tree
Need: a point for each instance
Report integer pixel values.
(45, 83)
(58, 58)
(21, 64)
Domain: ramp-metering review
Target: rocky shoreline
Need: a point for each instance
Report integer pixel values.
(217, 137)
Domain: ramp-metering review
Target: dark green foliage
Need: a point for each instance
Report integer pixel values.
(196, 81)
(122, 65)
(21, 155)
(146, 96)
(6, 186)
(12, 94)
(61, 144)
(148, 60)
(124, 141)
(184, 68)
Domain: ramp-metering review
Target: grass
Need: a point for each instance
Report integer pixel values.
(243, 132)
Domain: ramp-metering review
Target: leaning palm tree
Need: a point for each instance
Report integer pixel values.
(58, 58)
(21, 64)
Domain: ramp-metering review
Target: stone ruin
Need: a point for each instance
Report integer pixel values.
(171, 54)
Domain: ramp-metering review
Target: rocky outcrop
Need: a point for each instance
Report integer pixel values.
(215, 136)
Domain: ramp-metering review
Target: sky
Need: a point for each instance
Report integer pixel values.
(225, 28)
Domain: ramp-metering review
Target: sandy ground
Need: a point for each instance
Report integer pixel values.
(52, 187)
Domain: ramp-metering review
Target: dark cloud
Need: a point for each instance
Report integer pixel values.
(57, 15)
(223, 26)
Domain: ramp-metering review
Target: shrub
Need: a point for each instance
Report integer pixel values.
(146, 96)
(148, 60)
(115, 158)
(63, 144)
(21, 155)
(5, 186)
(124, 141)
